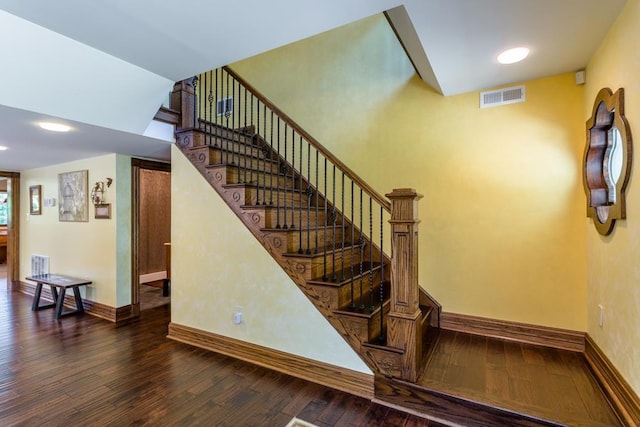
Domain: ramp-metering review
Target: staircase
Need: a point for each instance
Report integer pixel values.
(327, 229)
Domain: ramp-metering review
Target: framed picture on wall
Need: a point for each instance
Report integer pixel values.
(103, 211)
(73, 198)
(35, 200)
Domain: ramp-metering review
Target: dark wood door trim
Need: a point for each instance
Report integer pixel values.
(13, 229)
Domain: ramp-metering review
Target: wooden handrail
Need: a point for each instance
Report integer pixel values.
(322, 149)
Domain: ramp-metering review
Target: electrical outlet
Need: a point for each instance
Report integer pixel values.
(601, 315)
(237, 316)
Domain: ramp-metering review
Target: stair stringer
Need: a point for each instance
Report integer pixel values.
(382, 360)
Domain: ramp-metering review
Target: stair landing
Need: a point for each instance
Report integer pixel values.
(509, 383)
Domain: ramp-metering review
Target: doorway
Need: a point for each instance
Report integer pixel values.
(9, 228)
(151, 182)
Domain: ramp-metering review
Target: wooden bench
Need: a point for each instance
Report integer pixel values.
(55, 282)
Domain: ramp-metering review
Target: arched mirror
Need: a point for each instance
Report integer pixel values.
(607, 160)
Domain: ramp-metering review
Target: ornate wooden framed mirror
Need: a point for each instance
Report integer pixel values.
(607, 160)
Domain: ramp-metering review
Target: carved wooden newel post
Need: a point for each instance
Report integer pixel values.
(404, 321)
(183, 99)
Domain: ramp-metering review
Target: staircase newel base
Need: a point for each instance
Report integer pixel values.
(410, 340)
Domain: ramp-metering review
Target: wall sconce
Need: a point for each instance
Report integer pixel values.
(97, 193)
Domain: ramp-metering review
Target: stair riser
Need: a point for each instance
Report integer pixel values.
(336, 297)
(268, 217)
(365, 328)
(315, 267)
(260, 179)
(215, 131)
(265, 166)
(251, 196)
(289, 241)
(321, 265)
(237, 149)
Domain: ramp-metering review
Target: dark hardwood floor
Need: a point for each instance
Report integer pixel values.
(83, 371)
(548, 383)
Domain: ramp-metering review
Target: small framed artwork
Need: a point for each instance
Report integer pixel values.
(35, 200)
(103, 211)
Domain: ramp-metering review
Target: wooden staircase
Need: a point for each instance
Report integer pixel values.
(341, 271)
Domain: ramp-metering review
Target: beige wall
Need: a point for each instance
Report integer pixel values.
(502, 233)
(82, 249)
(217, 265)
(613, 266)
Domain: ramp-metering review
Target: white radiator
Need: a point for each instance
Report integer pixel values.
(39, 264)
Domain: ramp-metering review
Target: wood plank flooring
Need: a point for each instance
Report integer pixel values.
(83, 371)
(548, 383)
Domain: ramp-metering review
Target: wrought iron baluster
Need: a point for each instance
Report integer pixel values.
(244, 136)
(342, 228)
(361, 245)
(207, 134)
(324, 241)
(264, 154)
(293, 179)
(233, 116)
(194, 82)
(215, 140)
(353, 221)
(371, 305)
(226, 125)
(283, 170)
(309, 195)
(300, 185)
(382, 335)
(317, 221)
(334, 218)
(256, 141)
(251, 147)
(270, 166)
(278, 173)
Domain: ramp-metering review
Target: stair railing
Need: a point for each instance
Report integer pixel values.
(333, 211)
(342, 216)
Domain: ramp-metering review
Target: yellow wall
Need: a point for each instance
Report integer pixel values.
(613, 265)
(217, 265)
(502, 233)
(81, 249)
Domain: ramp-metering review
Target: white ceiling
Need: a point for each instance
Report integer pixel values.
(55, 52)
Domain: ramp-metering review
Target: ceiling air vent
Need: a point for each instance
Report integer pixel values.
(509, 95)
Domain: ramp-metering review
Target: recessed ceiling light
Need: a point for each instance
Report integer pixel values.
(511, 56)
(3, 148)
(54, 127)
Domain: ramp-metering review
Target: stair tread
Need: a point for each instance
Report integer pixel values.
(365, 313)
(366, 268)
(262, 187)
(321, 252)
(258, 158)
(303, 228)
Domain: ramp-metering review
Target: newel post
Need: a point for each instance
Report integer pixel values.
(183, 100)
(404, 321)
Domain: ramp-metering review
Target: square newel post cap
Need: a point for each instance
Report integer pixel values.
(404, 205)
(404, 193)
